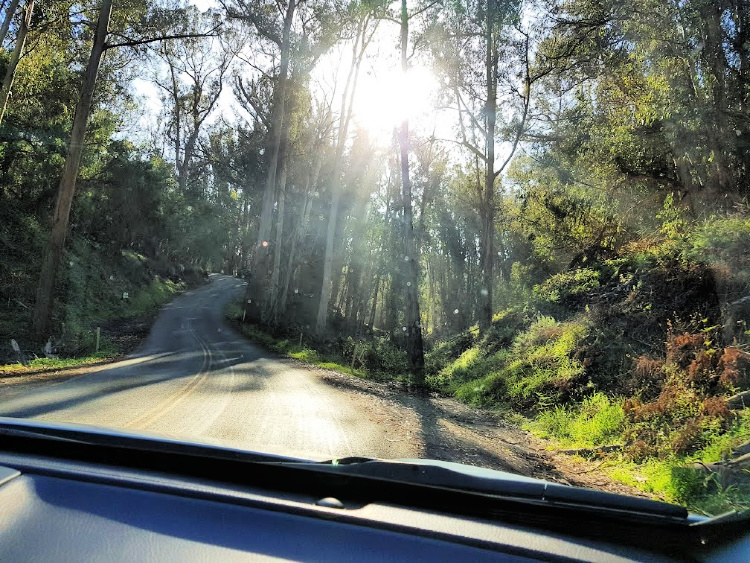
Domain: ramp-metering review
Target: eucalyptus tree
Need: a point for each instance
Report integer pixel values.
(123, 28)
(687, 67)
(486, 54)
(10, 11)
(288, 39)
(273, 24)
(365, 24)
(193, 78)
(18, 48)
(51, 262)
(413, 319)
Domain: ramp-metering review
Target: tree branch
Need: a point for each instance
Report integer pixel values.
(136, 42)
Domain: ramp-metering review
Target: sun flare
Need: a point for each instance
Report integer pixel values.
(385, 98)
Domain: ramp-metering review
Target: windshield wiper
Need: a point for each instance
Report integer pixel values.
(447, 476)
(112, 438)
(456, 476)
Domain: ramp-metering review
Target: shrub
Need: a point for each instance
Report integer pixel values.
(538, 369)
(560, 287)
(734, 368)
(678, 422)
(723, 241)
(473, 364)
(445, 352)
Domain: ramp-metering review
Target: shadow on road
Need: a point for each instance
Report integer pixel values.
(450, 431)
(115, 383)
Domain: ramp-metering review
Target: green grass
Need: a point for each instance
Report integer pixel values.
(598, 420)
(51, 364)
(676, 480)
(528, 375)
(286, 347)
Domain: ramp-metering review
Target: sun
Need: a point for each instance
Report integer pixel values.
(385, 96)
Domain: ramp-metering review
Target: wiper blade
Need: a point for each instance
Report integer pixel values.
(732, 517)
(431, 473)
(461, 477)
(96, 436)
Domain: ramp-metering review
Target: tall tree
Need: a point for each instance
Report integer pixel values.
(10, 72)
(365, 31)
(493, 34)
(193, 83)
(10, 11)
(256, 14)
(42, 313)
(414, 344)
(51, 261)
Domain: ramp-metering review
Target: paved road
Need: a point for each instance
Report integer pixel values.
(196, 377)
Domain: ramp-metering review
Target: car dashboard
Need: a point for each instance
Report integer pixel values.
(77, 502)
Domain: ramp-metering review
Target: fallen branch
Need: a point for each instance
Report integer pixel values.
(590, 452)
(739, 401)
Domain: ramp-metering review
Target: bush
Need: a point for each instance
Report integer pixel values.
(723, 242)
(473, 364)
(566, 285)
(445, 352)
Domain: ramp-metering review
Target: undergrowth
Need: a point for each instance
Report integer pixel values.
(288, 346)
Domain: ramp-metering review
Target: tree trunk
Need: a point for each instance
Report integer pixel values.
(325, 291)
(306, 210)
(373, 309)
(488, 212)
(260, 254)
(10, 72)
(278, 247)
(66, 190)
(9, 13)
(414, 345)
(344, 119)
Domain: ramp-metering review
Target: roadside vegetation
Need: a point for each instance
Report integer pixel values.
(626, 362)
(117, 297)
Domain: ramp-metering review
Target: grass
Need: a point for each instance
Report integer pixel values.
(530, 374)
(289, 348)
(40, 365)
(91, 302)
(598, 420)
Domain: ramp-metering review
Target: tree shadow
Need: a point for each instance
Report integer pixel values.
(448, 435)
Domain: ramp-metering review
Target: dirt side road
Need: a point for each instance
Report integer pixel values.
(196, 378)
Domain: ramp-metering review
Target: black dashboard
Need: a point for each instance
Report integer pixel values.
(77, 502)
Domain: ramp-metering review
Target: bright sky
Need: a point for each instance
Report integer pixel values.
(381, 100)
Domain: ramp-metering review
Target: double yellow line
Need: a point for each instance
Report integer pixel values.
(176, 399)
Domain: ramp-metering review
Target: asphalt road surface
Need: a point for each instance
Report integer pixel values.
(195, 377)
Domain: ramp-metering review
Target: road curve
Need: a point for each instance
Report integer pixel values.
(195, 377)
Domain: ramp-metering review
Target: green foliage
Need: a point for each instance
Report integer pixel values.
(598, 420)
(288, 347)
(537, 371)
(470, 366)
(377, 356)
(673, 224)
(565, 285)
(722, 243)
(38, 365)
(446, 351)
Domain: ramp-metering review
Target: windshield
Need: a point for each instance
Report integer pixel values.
(513, 235)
